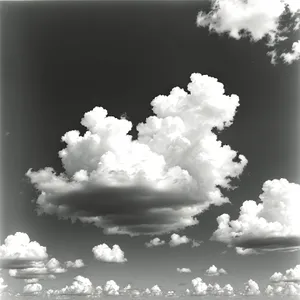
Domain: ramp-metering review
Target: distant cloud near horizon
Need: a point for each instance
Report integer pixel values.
(256, 20)
(104, 253)
(272, 224)
(184, 270)
(176, 163)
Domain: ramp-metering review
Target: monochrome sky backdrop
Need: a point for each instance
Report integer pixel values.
(180, 117)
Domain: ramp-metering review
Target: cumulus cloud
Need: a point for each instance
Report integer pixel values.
(184, 270)
(177, 240)
(77, 264)
(31, 280)
(291, 275)
(171, 294)
(196, 243)
(81, 286)
(290, 57)
(104, 253)
(251, 288)
(155, 184)
(18, 251)
(283, 289)
(245, 251)
(156, 291)
(155, 242)
(214, 271)
(273, 224)
(111, 288)
(39, 270)
(200, 288)
(32, 289)
(254, 19)
(3, 286)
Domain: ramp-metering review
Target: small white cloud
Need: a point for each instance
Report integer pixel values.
(171, 294)
(251, 288)
(272, 224)
(156, 291)
(177, 240)
(217, 290)
(155, 242)
(32, 289)
(111, 288)
(77, 264)
(214, 271)
(290, 57)
(245, 251)
(104, 253)
(184, 270)
(31, 280)
(196, 243)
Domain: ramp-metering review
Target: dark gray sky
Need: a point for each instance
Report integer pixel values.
(59, 61)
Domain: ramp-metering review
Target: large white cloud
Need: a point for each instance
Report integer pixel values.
(273, 224)
(256, 19)
(18, 251)
(155, 184)
(156, 290)
(104, 253)
(290, 57)
(177, 240)
(214, 271)
(155, 242)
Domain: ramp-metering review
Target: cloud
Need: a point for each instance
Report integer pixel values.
(31, 280)
(177, 240)
(251, 288)
(254, 19)
(32, 289)
(291, 275)
(214, 271)
(184, 270)
(111, 288)
(200, 288)
(272, 224)
(105, 253)
(155, 184)
(156, 291)
(290, 57)
(78, 263)
(18, 251)
(171, 294)
(155, 242)
(247, 251)
(3, 286)
(81, 286)
(39, 270)
(196, 243)
(283, 289)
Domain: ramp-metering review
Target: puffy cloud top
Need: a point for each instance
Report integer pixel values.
(292, 275)
(111, 288)
(155, 184)
(214, 271)
(104, 253)
(177, 240)
(33, 288)
(184, 270)
(251, 288)
(255, 19)
(18, 247)
(271, 225)
(78, 263)
(155, 242)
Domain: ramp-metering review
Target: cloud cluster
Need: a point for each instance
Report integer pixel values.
(251, 288)
(81, 286)
(283, 289)
(184, 270)
(155, 184)
(271, 225)
(32, 289)
(77, 264)
(3, 286)
(18, 251)
(155, 242)
(200, 288)
(111, 288)
(104, 253)
(255, 19)
(291, 275)
(214, 271)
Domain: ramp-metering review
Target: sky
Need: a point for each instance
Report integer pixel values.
(151, 144)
